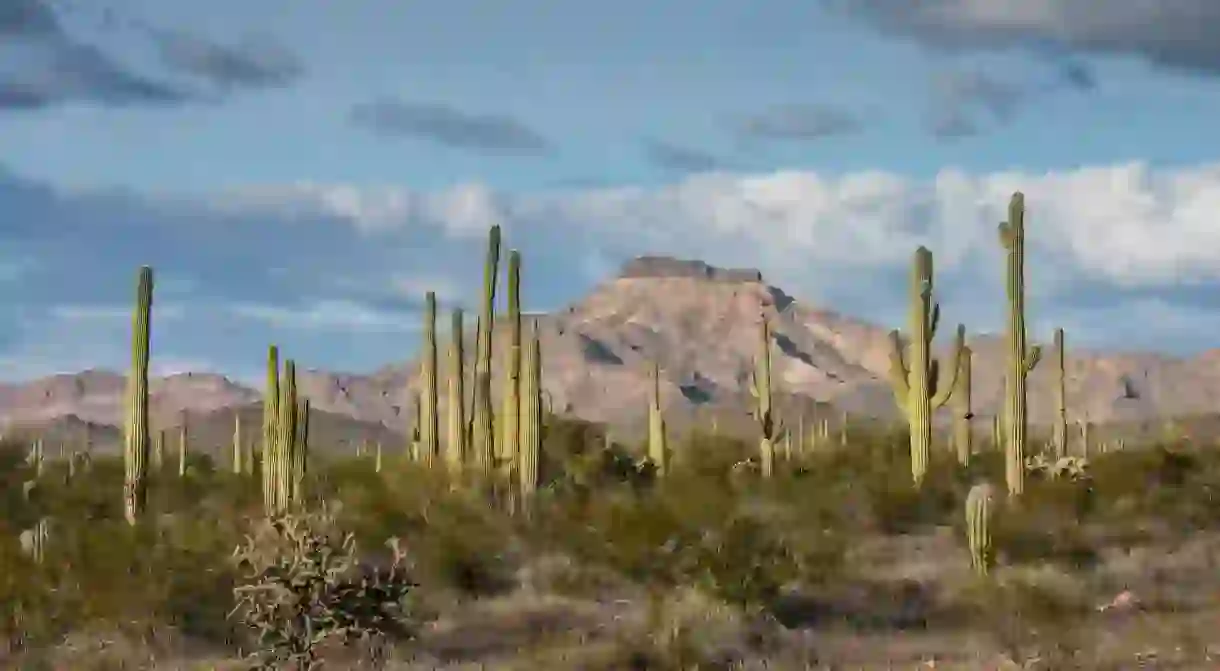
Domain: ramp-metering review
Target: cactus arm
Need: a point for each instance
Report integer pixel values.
(898, 370)
(944, 392)
(1032, 356)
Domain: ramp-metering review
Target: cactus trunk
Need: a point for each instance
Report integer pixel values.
(429, 438)
(1021, 358)
(1059, 438)
(136, 434)
(531, 416)
(509, 419)
(300, 451)
(963, 415)
(980, 515)
(914, 374)
(770, 429)
(455, 445)
(238, 450)
(482, 441)
(658, 449)
(271, 402)
(279, 461)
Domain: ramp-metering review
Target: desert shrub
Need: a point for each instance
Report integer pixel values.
(304, 586)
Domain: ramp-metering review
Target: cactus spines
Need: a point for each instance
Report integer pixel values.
(271, 402)
(1021, 358)
(429, 439)
(770, 428)
(1059, 437)
(531, 415)
(509, 419)
(963, 411)
(455, 445)
(915, 374)
(658, 448)
(980, 516)
(482, 442)
(136, 435)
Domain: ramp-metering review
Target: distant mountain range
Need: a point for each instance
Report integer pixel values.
(699, 322)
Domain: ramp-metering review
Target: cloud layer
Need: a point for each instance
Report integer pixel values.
(445, 125)
(1124, 255)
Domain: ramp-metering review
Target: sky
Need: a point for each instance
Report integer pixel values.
(300, 173)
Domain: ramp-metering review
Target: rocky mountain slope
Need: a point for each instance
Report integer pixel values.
(701, 324)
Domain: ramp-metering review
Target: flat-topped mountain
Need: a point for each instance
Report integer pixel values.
(700, 323)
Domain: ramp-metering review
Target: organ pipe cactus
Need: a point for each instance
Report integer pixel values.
(509, 418)
(770, 428)
(915, 374)
(135, 426)
(482, 442)
(1021, 359)
(271, 402)
(455, 446)
(531, 415)
(963, 412)
(429, 438)
(980, 517)
(1059, 436)
(658, 448)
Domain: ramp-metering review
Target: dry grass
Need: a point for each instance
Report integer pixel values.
(838, 565)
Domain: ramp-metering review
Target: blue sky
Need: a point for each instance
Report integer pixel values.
(301, 172)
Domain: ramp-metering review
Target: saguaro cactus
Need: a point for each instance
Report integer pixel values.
(658, 447)
(1059, 437)
(238, 448)
(455, 445)
(136, 438)
(429, 438)
(1021, 358)
(963, 412)
(915, 375)
(770, 429)
(531, 415)
(509, 419)
(482, 442)
(980, 515)
(271, 403)
(279, 461)
(183, 445)
(300, 450)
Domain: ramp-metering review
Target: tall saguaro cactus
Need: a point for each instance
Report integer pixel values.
(915, 374)
(482, 441)
(963, 411)
(136, 436)
(770, 428)
(1060, 431)
(1021, 359)
(271, 403)
(279, 459)
(455, 445)
(509, 419)
(429, 438)
(531, 415)
(658, 447)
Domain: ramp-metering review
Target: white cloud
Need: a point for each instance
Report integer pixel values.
(110, 313)
(329, 315)
(1130, 224)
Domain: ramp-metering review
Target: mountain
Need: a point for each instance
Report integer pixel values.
(699, 322)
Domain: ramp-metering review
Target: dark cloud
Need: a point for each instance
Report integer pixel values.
(958, 98)
(250, 64)
(799, 122)
(42, 65)
(489, 133)
(674, 157)
(1178, 34)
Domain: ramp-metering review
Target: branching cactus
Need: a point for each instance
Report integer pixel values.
(135, 427)
(658, 448)
(531, 415)
(1059, 437)
(509, 419)
(963, 411)
(455, 445)
(770, 428)
(980, 517)
(1021, 358)
(915, 374)
(482, 442)
(271, 404)
(429, 438)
